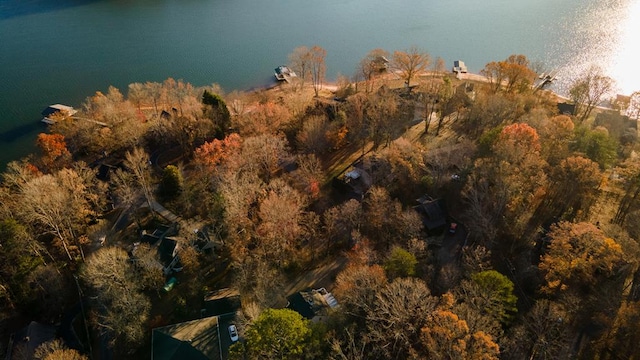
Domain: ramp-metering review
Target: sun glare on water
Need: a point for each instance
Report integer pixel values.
(626, 55)
(604, 34)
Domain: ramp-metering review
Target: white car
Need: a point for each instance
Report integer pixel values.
(233, 333)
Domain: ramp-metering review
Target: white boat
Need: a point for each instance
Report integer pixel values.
(56, 109)
(283, 73)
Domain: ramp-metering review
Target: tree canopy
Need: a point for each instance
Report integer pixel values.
(278, 190)
(277, 333)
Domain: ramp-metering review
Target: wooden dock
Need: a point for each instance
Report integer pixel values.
(91, 120)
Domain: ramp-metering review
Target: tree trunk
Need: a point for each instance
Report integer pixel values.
(64, 245)
(626, 203)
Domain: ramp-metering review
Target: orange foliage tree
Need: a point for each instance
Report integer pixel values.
(585, 270)
(580, 257)
(53, 148)
(357, 285)
(516, 141)
(216, 152)
(556, 134)
(446, 336)
(505, 188)
(521, 170)
(512, 74)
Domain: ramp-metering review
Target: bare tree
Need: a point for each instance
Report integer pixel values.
(56, 350)
(124, 188)
(264, 289)
(300, 61)
(340, 221)
(138, 162)
(318, 67)
(543, 334)
(588, 91)
(633, 110)
(154, 91)
(383, 115)
(120, 307)
(312, 136)
(439, 67)
(148, 266)
(372, 65)
(264, 118)
(136, 94)
(264, 153)
(59, 203)
(410, 63)
(352, 346)
(400, 312)
(280, 212)
(240, 191)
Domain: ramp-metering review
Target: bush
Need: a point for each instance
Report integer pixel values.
(400, 263)
(172, 182)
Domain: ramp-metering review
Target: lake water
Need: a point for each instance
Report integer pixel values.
(63, 51)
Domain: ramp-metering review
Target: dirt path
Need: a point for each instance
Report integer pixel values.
(323, 275)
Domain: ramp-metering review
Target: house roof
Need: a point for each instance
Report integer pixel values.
(309, 303)
(566, 109)
(299, 304)
(52, 109)
(191, 340)
(433, 213)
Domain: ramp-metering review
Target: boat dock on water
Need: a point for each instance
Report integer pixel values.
(283, 73)
(55, 110)
(545, 79)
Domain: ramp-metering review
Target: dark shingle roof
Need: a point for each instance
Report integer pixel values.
(191, 340)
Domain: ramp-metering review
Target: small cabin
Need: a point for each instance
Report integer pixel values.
(459, 67)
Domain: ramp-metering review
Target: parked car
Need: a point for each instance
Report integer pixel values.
(233, 333)
(170, 284)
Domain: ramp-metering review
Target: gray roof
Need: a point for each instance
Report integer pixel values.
(191, 340)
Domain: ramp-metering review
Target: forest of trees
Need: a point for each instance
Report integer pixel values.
(546, 207)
